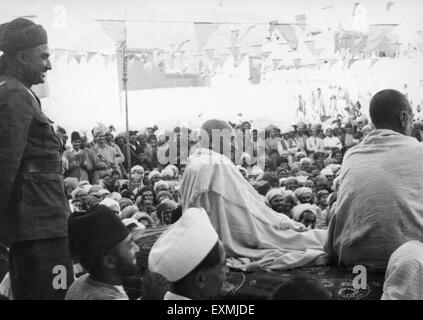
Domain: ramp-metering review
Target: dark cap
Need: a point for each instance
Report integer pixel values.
(93, 234)
(75, 136)
(21, 34)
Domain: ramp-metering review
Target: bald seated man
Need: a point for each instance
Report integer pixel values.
(379, 204)
(247, 227)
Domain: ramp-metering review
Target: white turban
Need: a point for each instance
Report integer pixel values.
(153, 174)
(174, 169)
(138, 169)
(111, 204)
(326, 172)
(115, 196)
(100, 130)
(303, 160)
(159, 184)
(303, 191)
(301, 179)
(183, 246)
(273, 193)
(298, 210)
(168, 173)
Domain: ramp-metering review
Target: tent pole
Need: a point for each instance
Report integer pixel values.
(125, 88)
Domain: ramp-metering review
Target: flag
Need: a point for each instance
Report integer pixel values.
(389, 5)
(235, 52)
(59, 53)
(276, 63)
(332, 62)
(360, 23)
(288, 32)
(351, 62)
(311, 45)
(255, 70)
(114, 29)
(372, 62)
(234, 37)
(203, 32)
(90, 55)
(209, 54)
(301, 20)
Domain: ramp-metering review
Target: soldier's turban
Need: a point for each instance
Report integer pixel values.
(21, 34)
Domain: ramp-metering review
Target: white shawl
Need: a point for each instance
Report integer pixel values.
(247, 227)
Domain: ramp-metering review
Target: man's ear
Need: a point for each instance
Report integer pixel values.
(109, 261)
(21, 57)
(403, 119)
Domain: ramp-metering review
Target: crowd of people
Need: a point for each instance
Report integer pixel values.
(344, 192)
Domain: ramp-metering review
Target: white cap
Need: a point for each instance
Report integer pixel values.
(131, 221)
(183, 246)
(110, 203)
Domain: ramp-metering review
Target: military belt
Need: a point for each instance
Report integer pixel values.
(42, 166)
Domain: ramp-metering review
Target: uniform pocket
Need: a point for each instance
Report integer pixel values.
(44, 203)
(42, 191)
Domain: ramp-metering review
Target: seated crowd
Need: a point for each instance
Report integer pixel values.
(339, 193)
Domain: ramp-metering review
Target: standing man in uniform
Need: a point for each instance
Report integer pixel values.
(33, 204)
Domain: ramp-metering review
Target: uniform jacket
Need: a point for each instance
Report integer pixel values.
(33, 205)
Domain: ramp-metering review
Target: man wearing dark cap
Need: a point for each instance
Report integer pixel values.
(33, 204)
(76, 160)
(379, 204)
(104, 247)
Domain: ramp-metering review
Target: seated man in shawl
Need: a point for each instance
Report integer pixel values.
(248, 228)
(379, 204)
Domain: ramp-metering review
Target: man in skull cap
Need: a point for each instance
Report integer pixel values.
(33, 204)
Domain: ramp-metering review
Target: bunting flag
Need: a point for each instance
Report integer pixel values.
(360, 23)
(114, 29)
(106, 60)
(372, 62)
(90, 55)
(179, 48)
(209, 54)
(288, 33)
(241, 58)
(332, 62)
(276, 63)
(235, 52)
(311, 45)
(59, 53)
(241, 38)
(351, 62)
(389, 5)
(223, 57)
(78, 57)
(234, 37)
(255, 70)
(301, 20)
(203, 32)
(266, 55)
(216, 63)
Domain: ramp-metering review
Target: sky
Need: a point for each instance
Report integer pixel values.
(92, 90)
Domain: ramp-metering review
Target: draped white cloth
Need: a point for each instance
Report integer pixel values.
(254, 236)
(404, 276)
(380, 203)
